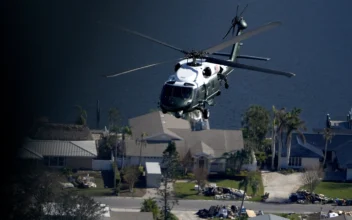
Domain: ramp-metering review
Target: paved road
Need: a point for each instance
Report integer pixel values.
(195, 205)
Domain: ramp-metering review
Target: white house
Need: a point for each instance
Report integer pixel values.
(204, 147)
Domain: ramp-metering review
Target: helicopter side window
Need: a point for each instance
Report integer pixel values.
(167, 90)
(186, 92)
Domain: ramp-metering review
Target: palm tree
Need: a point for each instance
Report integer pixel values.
(294, 124)
(150, 205)
(327, 137)
(82, 116)
(251, 180)
(273, 137)
(142, 143)
(125, 130)
(282, 120)
(237, 159)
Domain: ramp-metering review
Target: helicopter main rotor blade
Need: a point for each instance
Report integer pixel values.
(140, 68)
(248, 67)
(243, 36)
(147, 37)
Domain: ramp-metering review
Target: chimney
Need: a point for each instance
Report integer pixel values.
(328, 123)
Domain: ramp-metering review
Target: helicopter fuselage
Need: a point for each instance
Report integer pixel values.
(192, 85)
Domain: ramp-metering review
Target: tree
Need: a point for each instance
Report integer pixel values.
(312, 177)
(256, 124)
(131, 175)
(125, 131)
(236, 160)
(200, 175)
(78, 206)
(114, 120)
(170, 165)
(117, 179)
(150, 205)
(252, 181)
(37, 186)
(282, 121)
(328, 135)
(186, 162)
(273, 137)
(142, 142)
(294, 124)
(82, 116)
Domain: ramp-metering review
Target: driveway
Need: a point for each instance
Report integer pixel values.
(153, 192)
(280, 186)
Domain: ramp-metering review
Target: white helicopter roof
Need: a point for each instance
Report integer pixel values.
(194, 74)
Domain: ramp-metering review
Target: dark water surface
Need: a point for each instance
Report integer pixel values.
(69, 51)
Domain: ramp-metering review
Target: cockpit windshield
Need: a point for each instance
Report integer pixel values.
(177, 92)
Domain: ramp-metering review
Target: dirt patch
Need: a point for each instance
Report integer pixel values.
(280, 186)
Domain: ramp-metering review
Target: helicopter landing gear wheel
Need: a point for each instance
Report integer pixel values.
(206, 113)
(226, 85)
(163, 111)
(178, 114)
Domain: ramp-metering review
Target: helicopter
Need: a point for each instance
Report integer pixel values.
(198, 76)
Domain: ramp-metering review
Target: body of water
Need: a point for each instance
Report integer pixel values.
(69, 51)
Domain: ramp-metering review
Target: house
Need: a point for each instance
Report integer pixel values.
(268, 217)
(303, 155)
(342, 126)
(130, 216)
(60, 145)
(203, 148)
(311, 153)
(73, 154)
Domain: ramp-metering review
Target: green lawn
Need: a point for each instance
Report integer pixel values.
(101, 190)
(335, 190)
(186, 190)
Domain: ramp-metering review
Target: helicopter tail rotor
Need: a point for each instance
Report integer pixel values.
(235, 21)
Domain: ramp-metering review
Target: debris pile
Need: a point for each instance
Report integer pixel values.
(229, 212)
(304, 196)
(80, 182)
(224, 192)
(219, 211)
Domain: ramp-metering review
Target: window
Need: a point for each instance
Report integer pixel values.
(295, 161)
(177, 91)
(55, 161)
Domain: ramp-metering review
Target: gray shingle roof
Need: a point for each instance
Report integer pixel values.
(157, 123)
(341, 144)
(220, 141)
(28, 154)
(201, 147)
(130, 216)
(67, 132)
(62, 148)
(268, 217)
(216, 142)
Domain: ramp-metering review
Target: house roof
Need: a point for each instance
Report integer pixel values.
(201, 147)
(60, 148)
(67, 132)
(220, 141)
(342, 217)
(268, 217)
(153, 168)
(130, 216)
(156, 124)
(341, 144)
(28, 154)
(214, 142)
